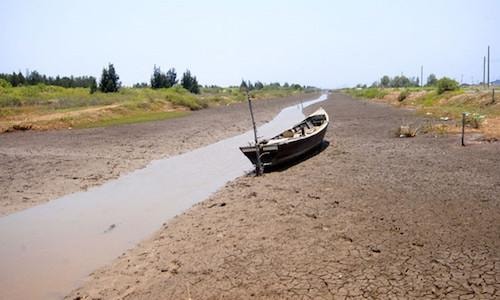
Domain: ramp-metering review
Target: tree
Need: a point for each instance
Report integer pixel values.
(385, 81)
(195, 88)
(446, 84)
(109, 80)
(140, 85)
(93, 86)
(190, 83)
(158, 80)
(171, 78)
(258, 85)
(400, 81)
(243, 86)
(33, 78)
(431, 80)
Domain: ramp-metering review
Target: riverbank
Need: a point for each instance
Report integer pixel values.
(43, 107)
(372, 215)
(481, 105)
(40, 166)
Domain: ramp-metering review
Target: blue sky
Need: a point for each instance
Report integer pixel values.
(322, 43)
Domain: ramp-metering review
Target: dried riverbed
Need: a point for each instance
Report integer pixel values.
(40, 166)
(371, 216)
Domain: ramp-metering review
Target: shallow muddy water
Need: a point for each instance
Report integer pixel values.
(47, 250)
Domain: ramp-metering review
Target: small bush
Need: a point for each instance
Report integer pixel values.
(4, 83)
(474, 120)
(403, 95)
(406, 131)
(446, 84)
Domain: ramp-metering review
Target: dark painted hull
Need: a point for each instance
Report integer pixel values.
(277, 154)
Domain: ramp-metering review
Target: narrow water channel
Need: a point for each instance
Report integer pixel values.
(46, 251)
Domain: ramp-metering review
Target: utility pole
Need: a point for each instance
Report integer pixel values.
(422, 76)
(484, 71)
(488, 66)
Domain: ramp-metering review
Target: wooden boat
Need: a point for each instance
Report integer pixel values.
(292, 142)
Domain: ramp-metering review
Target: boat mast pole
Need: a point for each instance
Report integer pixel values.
(258, 166)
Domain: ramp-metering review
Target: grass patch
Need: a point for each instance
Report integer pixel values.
(130, 119)
(484, 112)
(369, 93)
(47, 107)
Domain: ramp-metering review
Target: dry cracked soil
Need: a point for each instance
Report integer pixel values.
(370, 216)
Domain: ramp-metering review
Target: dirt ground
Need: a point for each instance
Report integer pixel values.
(39, 166)
(371, 216)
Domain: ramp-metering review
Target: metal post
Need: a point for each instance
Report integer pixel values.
(484, 71)
(493, 96)
(422, 76)
(488, 77)
(463, 129)
(258, 166)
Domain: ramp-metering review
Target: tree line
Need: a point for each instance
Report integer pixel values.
(109, 81)
(34, 78)
(403, 81)
(442, 85)
(259, 85)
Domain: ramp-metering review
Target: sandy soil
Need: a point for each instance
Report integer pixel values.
(39, 166)
(371, 216)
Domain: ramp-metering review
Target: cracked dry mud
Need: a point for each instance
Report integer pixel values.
(371, 216)
(40, 166)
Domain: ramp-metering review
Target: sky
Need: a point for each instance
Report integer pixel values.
(324, 43)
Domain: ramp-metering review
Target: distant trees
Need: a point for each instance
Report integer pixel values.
(109, 82)
(34, 78)
(93, 86)
(444, 84)
(244, 86)
(171, 77)
(158, 79)
(431, 80)
(258, 85)
(140, 85)
(190, 82)
(398, 81)
(161, 80)
(385, 81)
(15, 79)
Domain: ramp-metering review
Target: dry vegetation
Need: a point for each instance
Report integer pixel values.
(43, 107)
(482, 110)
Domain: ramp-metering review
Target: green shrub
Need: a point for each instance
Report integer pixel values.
(4, 83)
(446, 84)
(475, 120)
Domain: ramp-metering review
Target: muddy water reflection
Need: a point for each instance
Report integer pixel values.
(46, 251)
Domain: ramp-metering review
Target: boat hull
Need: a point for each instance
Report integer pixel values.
(277, 154)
